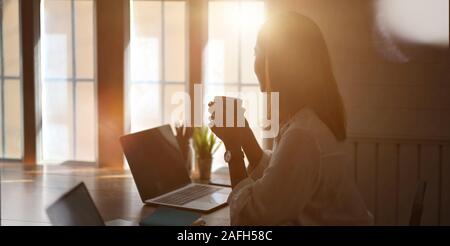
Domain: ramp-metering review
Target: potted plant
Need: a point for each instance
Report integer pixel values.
(205, 145)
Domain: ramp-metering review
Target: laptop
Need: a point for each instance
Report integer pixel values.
(76, 208)
(160, 173)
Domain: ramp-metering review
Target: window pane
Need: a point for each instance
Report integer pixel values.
(68, 86)
(84, 33)
(13, 116)
(57, 39)
(57, 120)
(2, 118)
(10, 81)
(233, 27)
(172, 113)
(175, 45)
(85, 122)
(145, 106)
(157, 61)
(252, 14)
(223, 45)
(11, 38)
(145, 41)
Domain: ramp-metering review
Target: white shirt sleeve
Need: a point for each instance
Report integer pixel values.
(257, 172)
(287, 184)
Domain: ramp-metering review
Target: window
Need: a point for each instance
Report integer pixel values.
(233, 27)
(67, 84)
(157, 61)
(10, 81)
(157, 66)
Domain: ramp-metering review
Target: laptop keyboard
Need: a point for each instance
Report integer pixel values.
(187, 195)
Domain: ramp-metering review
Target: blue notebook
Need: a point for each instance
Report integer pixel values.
(164, 216)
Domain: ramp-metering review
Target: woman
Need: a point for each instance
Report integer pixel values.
(304, 180)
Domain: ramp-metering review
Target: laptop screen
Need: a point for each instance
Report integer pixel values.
(155, 161)
(75, 208)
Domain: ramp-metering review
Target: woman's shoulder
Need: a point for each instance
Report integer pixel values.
(296, 138)
(298, 135)
(296, 150)
(311, 128)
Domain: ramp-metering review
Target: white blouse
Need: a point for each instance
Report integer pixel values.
(304, 181)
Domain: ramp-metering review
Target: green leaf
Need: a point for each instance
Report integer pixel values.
(204, 142)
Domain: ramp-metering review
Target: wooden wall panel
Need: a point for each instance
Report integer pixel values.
(420, 97)
(395, 74)
(445, 186)
(366, 173)
(398, 123)
(429, 172)
(386, 190)
(351, 148)
(407, 180)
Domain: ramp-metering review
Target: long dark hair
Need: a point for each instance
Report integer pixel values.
(299, 68)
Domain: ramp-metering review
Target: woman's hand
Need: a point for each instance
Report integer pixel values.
(232, 137)
(235, 138)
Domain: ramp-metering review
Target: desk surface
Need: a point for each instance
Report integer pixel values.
(26, 193)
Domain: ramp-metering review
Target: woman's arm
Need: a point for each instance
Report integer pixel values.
(251, 148)
(236, 165)
(285, 188)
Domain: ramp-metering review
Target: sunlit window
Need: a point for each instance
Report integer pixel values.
(157, 61)
(10, 81)
(67, 87)
(229, 67)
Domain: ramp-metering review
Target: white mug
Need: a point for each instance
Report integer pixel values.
(228, 110)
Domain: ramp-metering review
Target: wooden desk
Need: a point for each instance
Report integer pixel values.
(26, 193)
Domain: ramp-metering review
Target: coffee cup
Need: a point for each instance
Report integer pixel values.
(228, 112)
